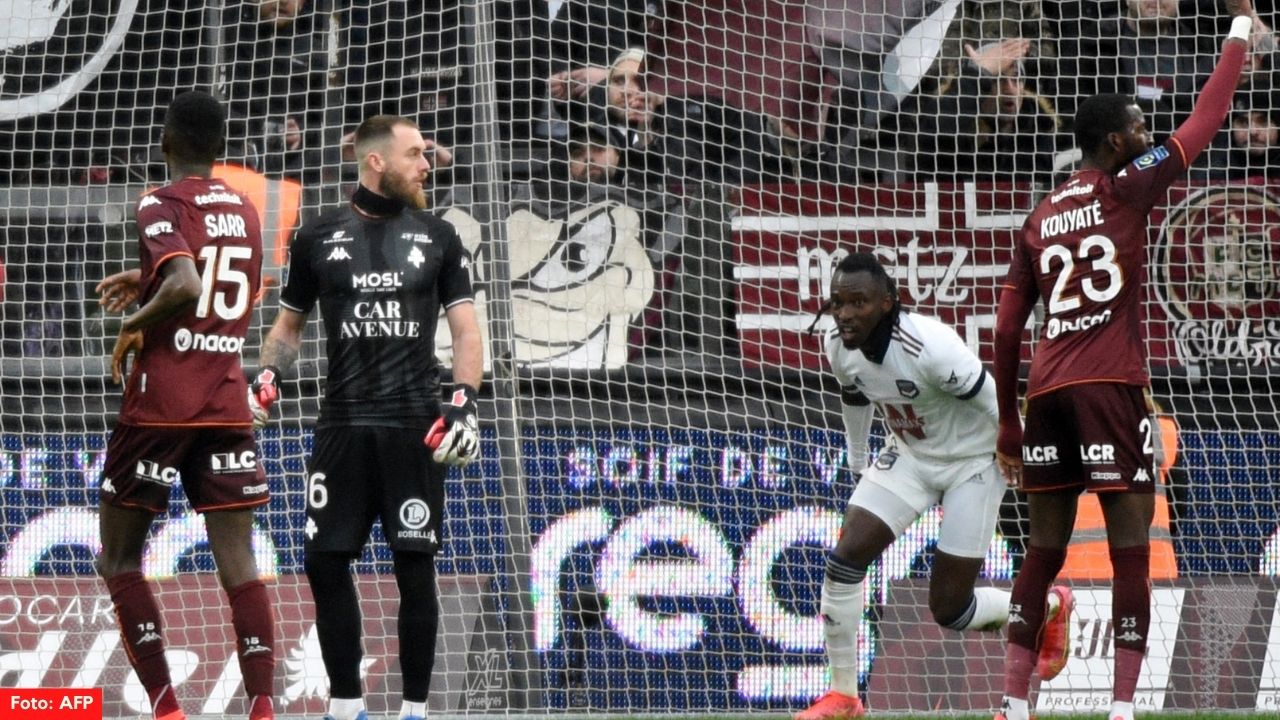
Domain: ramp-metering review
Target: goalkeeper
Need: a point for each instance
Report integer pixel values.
(381, 268)
(939, 406)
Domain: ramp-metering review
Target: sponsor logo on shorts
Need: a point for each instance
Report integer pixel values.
(107, 485)
(230, 462)
(886, 459)
(907, 389)
(1097, 453)
(152, 471)
(1039, 454)
(184, 340)
(1142, 476)
(414, 514)
(255, 489)
(1106, 476)
(428, 535)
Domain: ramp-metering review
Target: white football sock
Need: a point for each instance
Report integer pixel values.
(345, 708)
(413, 709)
(842, 608)
(1123, 710)
(991, 611)
(1015, 708)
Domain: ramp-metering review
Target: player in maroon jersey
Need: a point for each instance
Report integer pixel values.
(1083, 251)
(185, 417)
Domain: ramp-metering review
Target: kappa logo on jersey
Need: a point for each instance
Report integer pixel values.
(163, 227)
(1151, 158)
(907, 388)
(416, 257)
(423, 238)
(148, 201)
(339, 253)
(233, 462)
(152, 471)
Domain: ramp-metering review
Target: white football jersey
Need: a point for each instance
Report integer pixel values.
(931, 391)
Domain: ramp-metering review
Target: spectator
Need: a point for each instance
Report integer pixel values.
(1252, 147)
(277, 84)
(877, 52)
(664, 139)
(987, 125)
(1147, 52)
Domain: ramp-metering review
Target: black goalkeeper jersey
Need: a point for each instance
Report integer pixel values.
(381, 283)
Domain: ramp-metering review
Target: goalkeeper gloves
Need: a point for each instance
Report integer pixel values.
(455, 436)
(262, 395)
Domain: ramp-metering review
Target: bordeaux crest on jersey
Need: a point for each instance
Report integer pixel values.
(907, 389)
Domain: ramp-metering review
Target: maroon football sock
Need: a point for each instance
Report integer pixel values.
(1130, 615)
(254, 623)
(139, 619)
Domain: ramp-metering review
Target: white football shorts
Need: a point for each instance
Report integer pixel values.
(899, 487)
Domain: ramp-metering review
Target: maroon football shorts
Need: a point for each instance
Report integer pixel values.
(217, 467)
(1092, 436)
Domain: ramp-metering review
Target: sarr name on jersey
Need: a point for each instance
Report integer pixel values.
(225, 225)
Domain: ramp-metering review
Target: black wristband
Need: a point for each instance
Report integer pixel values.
(463, 394)
(274, 379)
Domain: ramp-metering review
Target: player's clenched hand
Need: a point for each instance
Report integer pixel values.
(129, 341)
(455, 436)
(263, 392)
(119, 291)
(1009, 453)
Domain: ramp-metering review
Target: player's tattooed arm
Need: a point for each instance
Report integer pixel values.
(280, 348)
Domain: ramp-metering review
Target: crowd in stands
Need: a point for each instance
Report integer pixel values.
(643, 92)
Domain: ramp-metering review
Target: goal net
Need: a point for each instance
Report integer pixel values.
(655, 194)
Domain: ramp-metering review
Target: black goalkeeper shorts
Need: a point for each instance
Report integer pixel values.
(359, 473)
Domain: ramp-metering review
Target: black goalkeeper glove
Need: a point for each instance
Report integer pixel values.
(455, 436)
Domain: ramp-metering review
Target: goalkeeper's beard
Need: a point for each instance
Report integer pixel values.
(404, 190)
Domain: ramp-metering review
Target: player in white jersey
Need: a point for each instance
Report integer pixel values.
(939, 405)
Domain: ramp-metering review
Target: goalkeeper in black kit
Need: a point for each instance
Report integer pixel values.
(381, 268)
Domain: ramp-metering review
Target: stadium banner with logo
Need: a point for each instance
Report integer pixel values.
(674, 568)
(1213, 285)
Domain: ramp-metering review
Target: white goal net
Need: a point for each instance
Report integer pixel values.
(655, 194)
